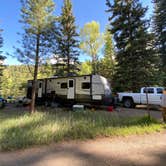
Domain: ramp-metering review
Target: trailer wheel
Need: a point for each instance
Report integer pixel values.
(128, 103)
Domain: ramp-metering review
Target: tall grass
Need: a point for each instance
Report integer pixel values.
(21, 130)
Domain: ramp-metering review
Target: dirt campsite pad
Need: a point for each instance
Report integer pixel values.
(140, 110)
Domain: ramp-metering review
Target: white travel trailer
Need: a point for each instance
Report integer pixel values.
(74, 89)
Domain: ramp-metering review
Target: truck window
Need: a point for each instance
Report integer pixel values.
(148, 90)
(159, 90)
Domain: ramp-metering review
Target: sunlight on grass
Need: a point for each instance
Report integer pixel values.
(21, 130)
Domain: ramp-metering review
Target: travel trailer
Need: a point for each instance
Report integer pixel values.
(92, 89)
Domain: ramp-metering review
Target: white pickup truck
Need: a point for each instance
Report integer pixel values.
(129, 100)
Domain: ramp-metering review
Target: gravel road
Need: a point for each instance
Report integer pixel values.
(145, 150)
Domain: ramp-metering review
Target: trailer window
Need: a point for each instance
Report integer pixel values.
(40, 85)
(64, 85)
(85, 85)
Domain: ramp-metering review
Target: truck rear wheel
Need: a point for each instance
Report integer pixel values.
(128, 103)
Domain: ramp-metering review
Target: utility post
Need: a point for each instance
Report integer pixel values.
(163, 105)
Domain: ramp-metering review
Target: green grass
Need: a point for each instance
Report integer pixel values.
(21, 130)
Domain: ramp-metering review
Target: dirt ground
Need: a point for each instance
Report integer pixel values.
(145, 150)
(140, 110)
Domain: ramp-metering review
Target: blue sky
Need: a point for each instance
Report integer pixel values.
(84, 11)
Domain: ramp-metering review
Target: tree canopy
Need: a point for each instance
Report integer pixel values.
(159, 27)
(130, 54)
(67, 38)
(91, 42)
(135, 56)
(107, 63)
(37, 17)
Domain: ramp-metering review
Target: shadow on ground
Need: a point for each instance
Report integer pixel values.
(75, 155)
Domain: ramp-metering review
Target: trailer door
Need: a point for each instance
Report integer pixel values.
(71, 89)
(40, 89)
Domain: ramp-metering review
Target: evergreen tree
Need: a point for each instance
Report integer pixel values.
(37, 17)
(1, 44)
(2, 58)
(135, 56)
(107, 63)
(159, 26)
(67, 43)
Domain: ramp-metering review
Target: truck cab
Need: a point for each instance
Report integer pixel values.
(154, 95)
(129, 100)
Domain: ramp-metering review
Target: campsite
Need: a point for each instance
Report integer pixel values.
(19, 130)
(82, 83)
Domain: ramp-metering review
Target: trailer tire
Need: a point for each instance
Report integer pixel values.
(128, 103)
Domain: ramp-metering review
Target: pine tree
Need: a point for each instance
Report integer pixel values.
(67, 43)
(1, 44)
(37, 17)
(159, 26)
(2, 58)
(107, 63)
(135, 57)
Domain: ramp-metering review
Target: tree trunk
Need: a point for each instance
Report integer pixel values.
(68, 65)
(35, 73)
(68, 57)
(147, 101)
